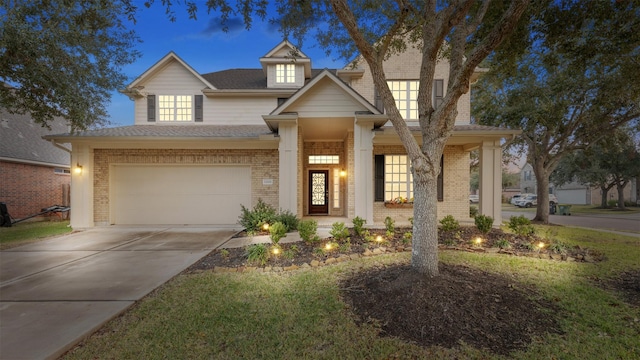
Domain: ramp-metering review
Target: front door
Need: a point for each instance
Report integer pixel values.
(318, 191)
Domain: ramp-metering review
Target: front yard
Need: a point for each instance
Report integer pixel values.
(572, 309)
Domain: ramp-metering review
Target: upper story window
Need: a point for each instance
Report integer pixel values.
(285, 73)
(175, 108)
(405, 93)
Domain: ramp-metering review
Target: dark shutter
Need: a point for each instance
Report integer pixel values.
(198, 108)
(379, 178)
(378, 101)
(441, 180)
(438, 92)
(151, 108)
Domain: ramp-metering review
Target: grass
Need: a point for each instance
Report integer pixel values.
(580, 209)
(27, 232)
(300, 315)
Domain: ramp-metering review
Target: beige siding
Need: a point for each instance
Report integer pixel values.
(173, 79)
(326, 99)
(237, 111)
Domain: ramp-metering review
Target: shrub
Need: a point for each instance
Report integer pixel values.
(308, 230)
(502, 244)
(407, 237)
(345, 247)
(521, 225)
(277, 231)
(253, 219)
(339, 231)
(484, 223)
(390, 224)
(558, 247)
(612, 203)
(473, 211)
(289, 220)
(368, 237)
(257, 253)
(449, 223)
(358, 225)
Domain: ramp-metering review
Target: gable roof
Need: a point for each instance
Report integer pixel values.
(21, 141)
(171, 56)
(326, 74)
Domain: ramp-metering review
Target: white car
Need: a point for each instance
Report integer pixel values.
(518, 197)
(528, 201)
(474, 199)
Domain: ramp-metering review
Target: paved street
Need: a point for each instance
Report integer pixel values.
(627, 223)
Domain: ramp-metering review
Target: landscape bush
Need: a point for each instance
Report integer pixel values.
(308, 231)
(358, 225)
(277, 231)
(449, 223)
(252, 220)
(521, 225)
(288, 219)
(484, 223)
(339, 231)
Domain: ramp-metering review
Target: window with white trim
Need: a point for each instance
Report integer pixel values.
(336, 188)
(324, 159)
(175, 108)
(285, 73)
(398, 180)
(405, 93)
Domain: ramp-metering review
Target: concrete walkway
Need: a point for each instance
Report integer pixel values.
(56, 292)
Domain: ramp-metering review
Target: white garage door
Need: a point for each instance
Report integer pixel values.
(179, 195)
(572, 196)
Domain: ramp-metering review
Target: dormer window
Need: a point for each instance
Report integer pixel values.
(285, 73)
(175, 108)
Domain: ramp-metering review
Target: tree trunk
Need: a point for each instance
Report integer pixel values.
(605, 194)
(424, 254)
(542, 179)
(620, 187)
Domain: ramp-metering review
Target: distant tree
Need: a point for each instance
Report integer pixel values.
(611, 162)
(63, 58)
(578, 82)
(509, 179)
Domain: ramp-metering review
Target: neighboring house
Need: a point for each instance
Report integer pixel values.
(309, 141)
(34, 173)
(574, 192)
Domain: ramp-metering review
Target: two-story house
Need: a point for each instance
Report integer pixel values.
(311, 141)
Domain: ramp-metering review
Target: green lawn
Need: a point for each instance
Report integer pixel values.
(299, 315)
(580, 209)
(26, 232)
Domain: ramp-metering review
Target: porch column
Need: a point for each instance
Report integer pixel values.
(81, 187)
(288, 171)
(491, 180)
(363, 168)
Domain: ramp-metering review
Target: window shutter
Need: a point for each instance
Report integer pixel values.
(379, 178)
(441, 180)
(438, 92)
(198, 108)
(378, 100)
(151, 108)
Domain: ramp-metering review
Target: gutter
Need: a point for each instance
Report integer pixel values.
(54, 143)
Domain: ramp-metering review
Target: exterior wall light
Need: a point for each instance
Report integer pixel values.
(78, 169)
(343, 173)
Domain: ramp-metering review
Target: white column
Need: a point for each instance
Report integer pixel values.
(491, 180)
(81, 187)
(363, 169)
(288, 159)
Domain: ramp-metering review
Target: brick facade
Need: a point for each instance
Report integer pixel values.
(264, 165)
(26, 188)
(456, 185)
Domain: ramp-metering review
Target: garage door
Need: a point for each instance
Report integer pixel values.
(179, 195)
(572, 196)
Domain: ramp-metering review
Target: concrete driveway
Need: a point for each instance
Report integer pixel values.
(55, 292)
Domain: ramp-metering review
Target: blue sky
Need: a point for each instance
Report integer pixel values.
(203, 45)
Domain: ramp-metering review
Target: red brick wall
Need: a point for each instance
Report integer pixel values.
(28, 188)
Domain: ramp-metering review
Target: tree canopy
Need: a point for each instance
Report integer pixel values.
(578, 81)
(63, 58)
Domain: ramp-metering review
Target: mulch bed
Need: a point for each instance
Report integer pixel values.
(461, 306)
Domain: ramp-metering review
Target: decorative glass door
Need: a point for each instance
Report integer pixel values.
(318, 191)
